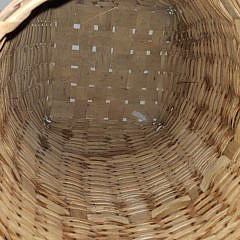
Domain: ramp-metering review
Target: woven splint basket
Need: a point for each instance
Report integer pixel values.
(119, 120)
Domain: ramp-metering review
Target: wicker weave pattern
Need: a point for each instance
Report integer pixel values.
(65, 175)
(117, 58)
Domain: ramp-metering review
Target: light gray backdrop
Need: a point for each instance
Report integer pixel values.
(4, 3)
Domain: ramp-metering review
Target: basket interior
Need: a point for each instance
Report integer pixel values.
(120, 120)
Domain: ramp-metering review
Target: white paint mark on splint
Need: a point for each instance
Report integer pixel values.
(108, 101)
(73, 84)
(144, 89)
(139, 116)
(74, 66)
(134, 31)
(171, 11)
(129, 71)
(95, 27)
(131, 52)
(148, 52)
(72, 100)
(156, 102)
(142, 102)
(150, 32)
(76, 25)
(91, 85)
(126, 101)
(161, 53)
(124, 119)
(94, 49)
(113, 29)
(47, 98)
(110, 70)
(47, 119)
(160, 126)
(145, 72)
(93, 69)
(55, 45)
(112, 49)
(75, 47)
(90, 100)
(106, 119)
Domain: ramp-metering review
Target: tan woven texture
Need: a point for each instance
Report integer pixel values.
(120, 120)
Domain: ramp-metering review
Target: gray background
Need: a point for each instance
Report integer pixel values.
(4, 3)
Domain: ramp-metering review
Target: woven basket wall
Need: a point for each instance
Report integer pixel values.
(120, 120)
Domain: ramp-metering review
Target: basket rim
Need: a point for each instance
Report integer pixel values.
(15, 13)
